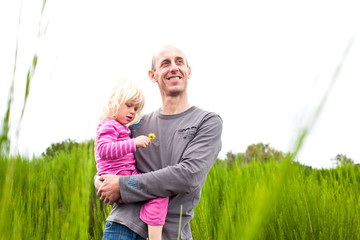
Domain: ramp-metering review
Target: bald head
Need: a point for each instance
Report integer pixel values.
(163, 51)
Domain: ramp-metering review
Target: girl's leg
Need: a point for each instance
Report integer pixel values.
(155, 232)
(153, 213)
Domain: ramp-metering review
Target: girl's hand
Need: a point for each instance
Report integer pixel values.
(142, 141)
(99, 181)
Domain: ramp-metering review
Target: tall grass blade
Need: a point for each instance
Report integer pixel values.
(310, 125)
(4, 135)
(4, 138)
(181, 208)
(30, 75)
(268, 195)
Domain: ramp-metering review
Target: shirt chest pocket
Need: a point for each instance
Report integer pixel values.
(180, 142)
(186, 133)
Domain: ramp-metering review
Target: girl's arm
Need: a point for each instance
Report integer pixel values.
(108, 146)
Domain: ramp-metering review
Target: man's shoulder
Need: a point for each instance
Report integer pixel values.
(150, 115)
(144, 121)
(205, 114)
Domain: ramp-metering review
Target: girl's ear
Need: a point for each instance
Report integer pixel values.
(151, 75)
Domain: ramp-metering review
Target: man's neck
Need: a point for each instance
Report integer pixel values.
(175, 105)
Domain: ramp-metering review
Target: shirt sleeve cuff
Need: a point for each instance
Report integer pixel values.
(122, 185)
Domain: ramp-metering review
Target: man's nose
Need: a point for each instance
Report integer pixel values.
(173, 66)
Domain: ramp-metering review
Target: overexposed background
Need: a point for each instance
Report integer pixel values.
(262, 65)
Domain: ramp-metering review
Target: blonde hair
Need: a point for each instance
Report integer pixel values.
(123, 91)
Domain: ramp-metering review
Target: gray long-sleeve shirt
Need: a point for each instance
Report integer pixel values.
(175, 164)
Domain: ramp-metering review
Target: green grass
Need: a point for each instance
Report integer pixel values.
(49, 198)
(279, 201)
(45, 198)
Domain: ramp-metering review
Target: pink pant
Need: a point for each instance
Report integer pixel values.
(154, 211)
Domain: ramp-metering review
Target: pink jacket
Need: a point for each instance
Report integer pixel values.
(114, 149)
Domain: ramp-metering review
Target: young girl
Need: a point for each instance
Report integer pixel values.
(114, 149)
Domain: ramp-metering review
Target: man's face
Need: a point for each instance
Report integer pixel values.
(171, 71)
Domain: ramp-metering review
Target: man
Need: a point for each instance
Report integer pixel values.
(186, 142)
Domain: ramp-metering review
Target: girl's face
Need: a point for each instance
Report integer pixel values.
(127, 112)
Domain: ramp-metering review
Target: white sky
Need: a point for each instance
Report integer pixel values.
(262, 65)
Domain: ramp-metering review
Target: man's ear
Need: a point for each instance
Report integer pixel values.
(151, 75)
(189, 72)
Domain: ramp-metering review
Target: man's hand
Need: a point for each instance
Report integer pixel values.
(109, 191)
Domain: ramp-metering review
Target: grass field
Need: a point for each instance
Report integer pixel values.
(54, 198)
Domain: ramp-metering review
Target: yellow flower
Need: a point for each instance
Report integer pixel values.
(152, 136)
